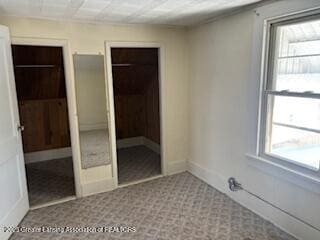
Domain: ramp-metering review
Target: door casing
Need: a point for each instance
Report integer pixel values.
(111, 109)
(71, 98)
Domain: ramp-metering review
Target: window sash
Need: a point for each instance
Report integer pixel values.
(285, 93)
(267, 89)
(262, 150)
(271, 48)
(296, 127)
(299, 56)
(266, 107)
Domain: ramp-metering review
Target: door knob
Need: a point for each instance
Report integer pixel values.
(20, 128)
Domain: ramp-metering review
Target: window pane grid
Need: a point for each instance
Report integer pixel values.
(299, 56)
(296, 127)
(293, 129)
(295, 58)
(293, 94)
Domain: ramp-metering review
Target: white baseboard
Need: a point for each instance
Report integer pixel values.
(277, 217)
(96, 187)
(172, 167)
(41, 156)
(176, 167)
(97, 126)
(151, 145)
(130, 142)
(138, 141)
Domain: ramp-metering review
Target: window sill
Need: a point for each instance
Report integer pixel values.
(306, 181)
(296, 163)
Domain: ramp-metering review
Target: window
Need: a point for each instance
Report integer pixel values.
(290, 122)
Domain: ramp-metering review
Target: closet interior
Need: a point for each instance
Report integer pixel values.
(135, 73)
(43, 110)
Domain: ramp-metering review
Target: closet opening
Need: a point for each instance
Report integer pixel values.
(136, 92)
(43, 109)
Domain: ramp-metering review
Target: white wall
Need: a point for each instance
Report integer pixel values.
(222, 107)
(224, 96)
(89, 39)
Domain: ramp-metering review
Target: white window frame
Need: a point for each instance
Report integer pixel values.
(268, 62)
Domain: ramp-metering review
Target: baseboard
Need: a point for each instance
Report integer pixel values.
(130, 142)
(96, 187)
(138, 141)
(41, 156)
(277, 217)
(97, 126)
(172, 167)
(151, 145)
(176, 167)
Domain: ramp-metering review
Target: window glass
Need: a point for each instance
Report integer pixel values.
(293, 129)
(297, 57)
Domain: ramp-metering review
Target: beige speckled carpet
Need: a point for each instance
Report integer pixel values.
(178, 207)
(136, 163)
(50, 180)
(94, 146)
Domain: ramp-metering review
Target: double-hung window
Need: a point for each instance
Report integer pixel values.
(290, 106)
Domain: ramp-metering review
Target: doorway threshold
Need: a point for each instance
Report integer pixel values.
(55, 202)
(140, 181)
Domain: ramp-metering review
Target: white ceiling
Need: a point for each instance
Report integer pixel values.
(171, 12)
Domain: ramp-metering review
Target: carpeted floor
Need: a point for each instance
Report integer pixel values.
(178, 207)
(50, 180)
(136, 163)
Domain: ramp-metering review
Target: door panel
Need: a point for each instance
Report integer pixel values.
(9, 170)
(13, 198)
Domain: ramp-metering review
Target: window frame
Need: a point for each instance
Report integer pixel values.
(268, 63)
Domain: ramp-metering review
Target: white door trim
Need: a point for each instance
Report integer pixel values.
(110, 97)
(71, 98)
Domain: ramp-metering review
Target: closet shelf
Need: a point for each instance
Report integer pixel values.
(132, 64)
(36, 66)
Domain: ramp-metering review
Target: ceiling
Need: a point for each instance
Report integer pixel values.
(168, 12)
